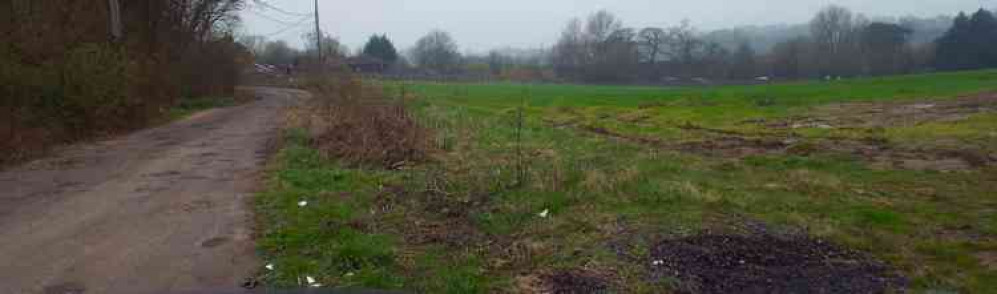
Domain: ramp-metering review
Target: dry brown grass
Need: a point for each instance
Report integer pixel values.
(359, 125)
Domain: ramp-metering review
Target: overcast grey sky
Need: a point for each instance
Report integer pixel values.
(479, 26)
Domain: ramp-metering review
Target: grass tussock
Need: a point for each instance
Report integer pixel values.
(362, 126)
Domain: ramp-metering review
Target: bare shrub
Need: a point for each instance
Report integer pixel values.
(359, 125)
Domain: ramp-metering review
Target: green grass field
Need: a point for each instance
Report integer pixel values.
(901, 168)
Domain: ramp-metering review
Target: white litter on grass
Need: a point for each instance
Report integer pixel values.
(544, 213)
(658, 262)
(311, 282)
(270, 266)
(349, 274)
(302, 203)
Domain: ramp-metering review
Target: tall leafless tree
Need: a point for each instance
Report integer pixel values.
(653, 43)
(685, 47)
(436, 51)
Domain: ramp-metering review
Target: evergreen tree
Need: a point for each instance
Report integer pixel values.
(971, 43)
(983, 31)
(381, 47)
(951, 53)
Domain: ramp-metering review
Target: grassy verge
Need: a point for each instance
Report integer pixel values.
(190, 106)
(514, 205)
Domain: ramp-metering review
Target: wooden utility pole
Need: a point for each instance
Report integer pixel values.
(318, 40)
(114, 10)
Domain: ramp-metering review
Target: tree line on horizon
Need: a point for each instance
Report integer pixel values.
(837, 43)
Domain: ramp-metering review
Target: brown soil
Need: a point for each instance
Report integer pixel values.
(893, 113)
(159, 211)
(878, 153)
(768, 264)
(988, 260)
(563, 282)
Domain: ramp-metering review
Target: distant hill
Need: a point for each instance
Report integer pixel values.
(763, 38)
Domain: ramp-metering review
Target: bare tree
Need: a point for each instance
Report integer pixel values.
(833, 34)
(685, 48)
(603, 51)
(653, 42)
(601, 25)
(255, 44)
(569, 54)
(830, 28)
(201, 18)
(436, 51)
(331, 47)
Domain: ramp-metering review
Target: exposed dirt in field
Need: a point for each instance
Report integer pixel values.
(159, 211)
(713, 263)
(574, 282)
(563, 282)
(859, 116)
(781, 138)
(892, 113)
(988, 259)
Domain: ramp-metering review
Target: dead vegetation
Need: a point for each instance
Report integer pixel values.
(359, 125)
(890, 114)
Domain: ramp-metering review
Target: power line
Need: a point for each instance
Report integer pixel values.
(264, 16)
(295, 25)
(298, 31)
(318, 40)
(277, 9)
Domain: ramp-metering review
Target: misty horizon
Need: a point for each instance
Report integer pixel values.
(481, 27)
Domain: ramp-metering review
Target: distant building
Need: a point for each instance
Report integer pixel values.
(366, 64)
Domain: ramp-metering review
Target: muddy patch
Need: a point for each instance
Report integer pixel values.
(730, 146)
(66, 288)
(563, 282)
(164, 174)
(988, 260)
(893, 113)
(878, 153)
(713, 263)
(215, 242)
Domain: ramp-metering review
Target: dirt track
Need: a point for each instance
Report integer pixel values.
(164, 210)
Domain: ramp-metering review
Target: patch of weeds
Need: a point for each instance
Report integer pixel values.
(309, 218)
(437, 271)
(877, 217)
